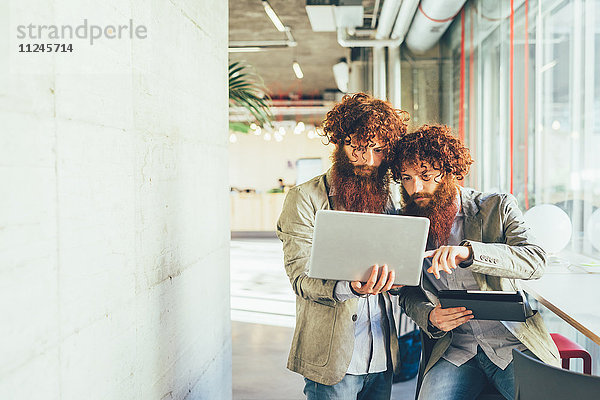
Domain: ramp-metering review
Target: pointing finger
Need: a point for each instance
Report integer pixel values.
(435, 264)
(429, 253)
(443, 260)
(452, 260)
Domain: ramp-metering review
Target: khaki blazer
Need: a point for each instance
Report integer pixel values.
(503, 254)
(323, 340)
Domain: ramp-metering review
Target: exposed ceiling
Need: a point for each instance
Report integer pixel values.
(316, 52)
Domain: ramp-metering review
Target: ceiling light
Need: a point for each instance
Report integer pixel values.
(282, 131)
(297, 70)
(257, 131)
(299, 128)
(274, 18)
(546, 67)
(321, 17)
(341, 74)
(267, 136)
(233, 138)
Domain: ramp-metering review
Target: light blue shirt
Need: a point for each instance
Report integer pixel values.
(371, 351)
(371, 331)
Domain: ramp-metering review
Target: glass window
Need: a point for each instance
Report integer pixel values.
(308, 168)
(555, 103)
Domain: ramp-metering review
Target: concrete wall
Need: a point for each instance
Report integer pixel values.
(114, 213)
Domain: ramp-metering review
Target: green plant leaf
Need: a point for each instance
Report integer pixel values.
(233, 68)
(239, 127)
(247, 90)
(241, 85)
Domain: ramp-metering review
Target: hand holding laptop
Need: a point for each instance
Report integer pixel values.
(375, 285)
(345, 244)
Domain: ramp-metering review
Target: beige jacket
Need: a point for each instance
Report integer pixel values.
(502, 254)
(324, 337)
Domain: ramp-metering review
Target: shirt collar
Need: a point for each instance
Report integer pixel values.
(459, 213)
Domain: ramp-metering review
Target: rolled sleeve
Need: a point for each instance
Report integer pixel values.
(295, 230)
(343, 292)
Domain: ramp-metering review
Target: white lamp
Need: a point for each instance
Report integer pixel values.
(273, 16)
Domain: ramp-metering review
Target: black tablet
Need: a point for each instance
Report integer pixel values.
(488, 305)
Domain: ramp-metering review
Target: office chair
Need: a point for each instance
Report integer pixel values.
(569, 349)
(535, 380)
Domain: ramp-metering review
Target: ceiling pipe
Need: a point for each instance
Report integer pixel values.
(430, 23)
(344, 40)
(379, 72)
(394, 76)
(259, 43)
(405, 17)
(375, 11)
(389, 11)
(243, 45)
(391, 16)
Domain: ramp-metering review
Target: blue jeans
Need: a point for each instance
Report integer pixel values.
(377, 386)
(446, 381)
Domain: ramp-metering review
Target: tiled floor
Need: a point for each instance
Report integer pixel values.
(262, 313)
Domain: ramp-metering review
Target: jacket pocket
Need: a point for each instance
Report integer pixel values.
(315, 333)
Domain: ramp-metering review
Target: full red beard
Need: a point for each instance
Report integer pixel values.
(440, 210)
(359, 188)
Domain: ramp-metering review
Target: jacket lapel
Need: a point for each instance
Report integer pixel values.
(472, 224)
(473, 227)
(330, 194)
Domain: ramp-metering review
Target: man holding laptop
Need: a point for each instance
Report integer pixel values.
(477, 241)
(345, 342)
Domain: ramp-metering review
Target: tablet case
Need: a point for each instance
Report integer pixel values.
(488, 305)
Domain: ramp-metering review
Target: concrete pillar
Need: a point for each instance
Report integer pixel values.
(114, 217)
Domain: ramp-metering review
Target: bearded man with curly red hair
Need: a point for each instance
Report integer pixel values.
(345, 339)
(477, 241)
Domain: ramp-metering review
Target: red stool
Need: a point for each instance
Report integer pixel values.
(569, 349)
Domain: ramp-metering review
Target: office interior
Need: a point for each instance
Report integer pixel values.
(137, 234)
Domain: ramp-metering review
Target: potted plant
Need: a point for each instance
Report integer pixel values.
(247, 91)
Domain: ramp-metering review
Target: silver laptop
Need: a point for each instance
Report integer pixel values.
(347, 244)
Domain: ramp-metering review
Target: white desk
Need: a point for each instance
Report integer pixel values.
(255, 211)
(574, 297)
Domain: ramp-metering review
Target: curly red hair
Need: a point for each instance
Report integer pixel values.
(366, 119)
(435, 145)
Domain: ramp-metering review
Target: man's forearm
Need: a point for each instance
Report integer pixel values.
(417, 306)
(505, 261)
(343, 291)
(319, 290)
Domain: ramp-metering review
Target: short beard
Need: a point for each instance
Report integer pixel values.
(359, 188)
(441, 211)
